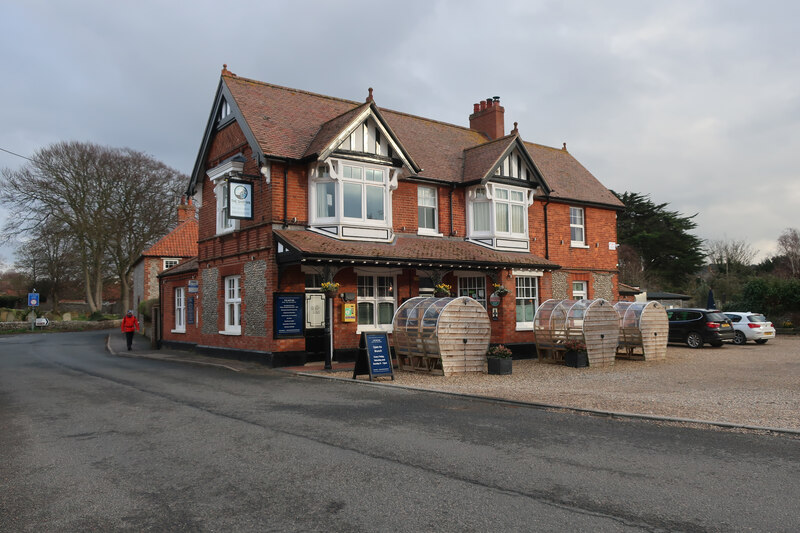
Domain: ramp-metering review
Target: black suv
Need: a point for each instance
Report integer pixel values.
(696, 326)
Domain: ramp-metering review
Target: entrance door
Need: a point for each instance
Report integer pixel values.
(315, 326)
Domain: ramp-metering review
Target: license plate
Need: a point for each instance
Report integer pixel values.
(725, 325)
(767, 333)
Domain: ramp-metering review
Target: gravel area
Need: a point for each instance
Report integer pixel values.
(752, 385)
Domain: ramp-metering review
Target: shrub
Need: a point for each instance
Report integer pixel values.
(499, 351)
(575, 345)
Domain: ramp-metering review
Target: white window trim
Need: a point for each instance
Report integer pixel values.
(331, 171)
(376, 299)
(180, 311)
(164, 262)
(461, 275)
(584, 291)
(527, 326)
(491, 198)
(232, 329)
(578, 244)
(435, 230)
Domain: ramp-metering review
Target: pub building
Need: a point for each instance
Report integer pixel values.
(318, 213)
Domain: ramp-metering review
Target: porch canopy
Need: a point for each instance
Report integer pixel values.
(302, 246)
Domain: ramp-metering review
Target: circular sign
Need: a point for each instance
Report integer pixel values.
(494, 299)
(240, 192)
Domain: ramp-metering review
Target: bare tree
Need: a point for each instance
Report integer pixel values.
(51, 259)
(789, 247)
(146, 187)
(80, 186)
(730, 254)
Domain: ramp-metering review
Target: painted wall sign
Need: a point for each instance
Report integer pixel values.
(194, 285)
(288, 314)
(374, 357)
(240, 199)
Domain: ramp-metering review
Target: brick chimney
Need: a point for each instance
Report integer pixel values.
(185, 209)
(488, 118)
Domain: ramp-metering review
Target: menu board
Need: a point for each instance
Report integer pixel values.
(288, 314)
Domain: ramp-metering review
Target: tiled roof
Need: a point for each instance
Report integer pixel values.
(567, 178)
(291, 123)
(407, 249)
(480, 159)
(189, 265)
(180, 242)
(331, 129)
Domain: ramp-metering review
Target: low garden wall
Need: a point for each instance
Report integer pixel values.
(65, 325)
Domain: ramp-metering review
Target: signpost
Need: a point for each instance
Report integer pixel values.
(374, 357)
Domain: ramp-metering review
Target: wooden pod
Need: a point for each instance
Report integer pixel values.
(441, 335)
(593, 322)
(644, 329)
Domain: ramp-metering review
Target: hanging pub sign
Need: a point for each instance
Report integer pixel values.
(288, 314)
(374, 357)
(240, 200)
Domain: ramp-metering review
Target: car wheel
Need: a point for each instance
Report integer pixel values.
(694, 340)
(761, 341)
(739, 338)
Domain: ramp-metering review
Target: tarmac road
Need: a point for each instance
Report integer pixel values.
(95, 442)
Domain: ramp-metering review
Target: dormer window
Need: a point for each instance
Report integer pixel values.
(351, 199)
(498, 216)
(514, 165)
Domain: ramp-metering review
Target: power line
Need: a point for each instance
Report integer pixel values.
(16, 154)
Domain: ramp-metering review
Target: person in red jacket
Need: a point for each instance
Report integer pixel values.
(129, 325)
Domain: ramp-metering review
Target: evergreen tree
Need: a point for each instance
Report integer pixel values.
(659, 244)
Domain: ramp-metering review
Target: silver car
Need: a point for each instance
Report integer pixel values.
(751, 327)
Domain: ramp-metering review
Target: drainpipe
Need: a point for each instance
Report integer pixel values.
(285, 193)
(452, 188)
(546, 237)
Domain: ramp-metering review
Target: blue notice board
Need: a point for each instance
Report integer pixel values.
(288, 314)
(374, 356)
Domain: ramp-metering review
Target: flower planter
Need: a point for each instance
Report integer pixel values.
(576, 359)
(499, 367)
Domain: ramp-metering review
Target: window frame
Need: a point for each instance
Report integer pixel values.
(435, 197)
(233, 305)
(464, 288)
(490, 194)
(532, 294)
(584, 290)
(180, 310)
(575, 226)
(376, 300)
(225, 224)
(174, 260)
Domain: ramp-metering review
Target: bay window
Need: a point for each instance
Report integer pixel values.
(498, 216)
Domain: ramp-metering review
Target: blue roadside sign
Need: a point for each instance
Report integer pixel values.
(33, 299)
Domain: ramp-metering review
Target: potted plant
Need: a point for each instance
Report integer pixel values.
(499, 289)
(576, 355)
(330, 288)
(441, 290)
(498, 360)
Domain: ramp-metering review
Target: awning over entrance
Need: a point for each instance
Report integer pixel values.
(304, 246)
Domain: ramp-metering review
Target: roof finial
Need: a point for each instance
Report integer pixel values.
(369, 98)
(226, 72)
(564, 147)
(515, 130)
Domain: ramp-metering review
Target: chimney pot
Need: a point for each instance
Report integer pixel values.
(476, 108)
(488, 102)
(483, 105)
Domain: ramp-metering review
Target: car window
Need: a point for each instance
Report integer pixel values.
(734, 318)
(716, 317)
(676, 315)
(757, 318)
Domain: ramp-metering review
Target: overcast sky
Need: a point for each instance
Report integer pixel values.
(695, 103)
